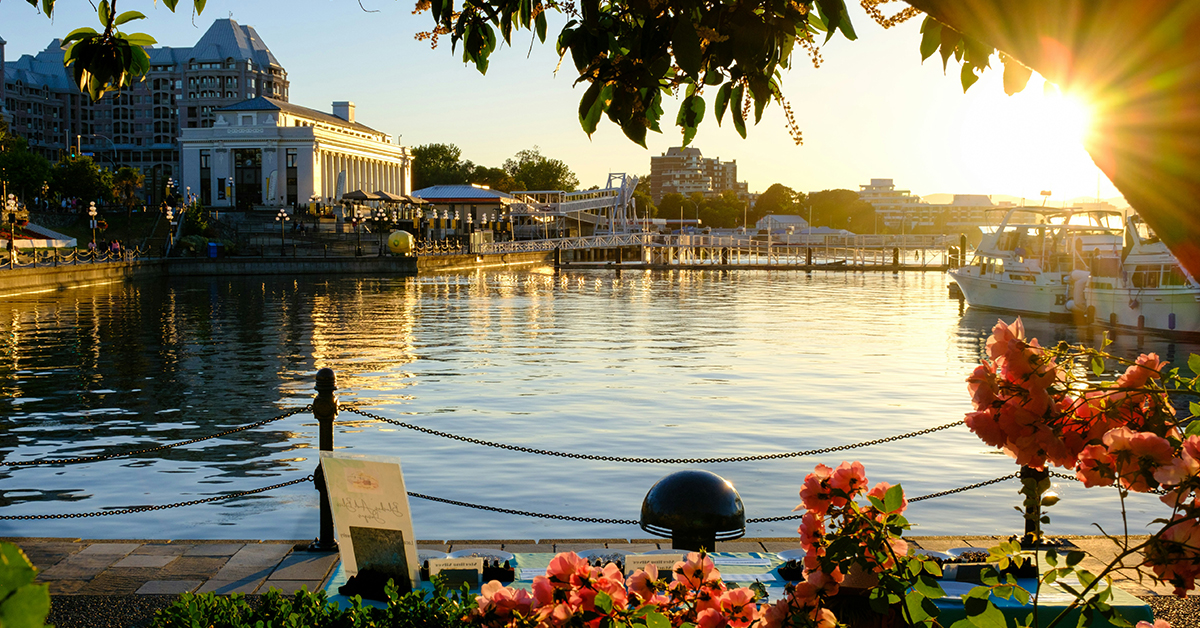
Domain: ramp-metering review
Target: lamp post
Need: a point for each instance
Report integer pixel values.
(92, 217)
(171, 229)
(10, 206)
(381, 217)
(170, 184)
(358, 216)
(282, 217)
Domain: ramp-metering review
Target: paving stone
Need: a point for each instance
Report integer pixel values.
(163, 549)
(145, 560)
(66, 587)
(253, 561)
(167, 587)
(225, 587)
(458, 546)
(632, 548)
(194, 567)
(214, 549)
(112, 584)
(305, 566)
(79, 567)
(289, 587)
(780, 546)
(46, 555)
(107, 549)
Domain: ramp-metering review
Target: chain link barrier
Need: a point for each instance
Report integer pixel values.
(560, 454)
(135, 509)
(523, 513)
(85, 459)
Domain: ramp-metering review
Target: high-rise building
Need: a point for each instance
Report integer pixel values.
(898, 210)
(140, 126)
(685, 171)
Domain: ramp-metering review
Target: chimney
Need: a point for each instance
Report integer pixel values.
(344, 109)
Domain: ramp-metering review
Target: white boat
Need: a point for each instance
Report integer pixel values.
(1091, 266)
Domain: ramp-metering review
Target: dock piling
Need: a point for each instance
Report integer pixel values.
(325, 410)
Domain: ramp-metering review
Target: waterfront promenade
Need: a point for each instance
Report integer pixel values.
(122, 582)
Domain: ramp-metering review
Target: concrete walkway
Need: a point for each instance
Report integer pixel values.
(135, 577)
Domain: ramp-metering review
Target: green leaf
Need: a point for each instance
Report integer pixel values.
(199, 4)
(1194, 363)
(931, 37)
(47, 6)
(604, 602)
(1193, 428)
(540, 24)
(739, 121)
(982, 613)
(128, 16)
(950, 39)
(1097, 363)
(691, 112)
(1016, 77)
(1075, 557)
(170, 4)
(721, 102)
(139, 39)
(27, 607)
(893, 499)
(15, 569)
(590, 108)
(686, 45)
(968, 76)
(102, 12)
(657, 620)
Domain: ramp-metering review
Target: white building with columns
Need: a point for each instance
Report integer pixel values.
(266, 152)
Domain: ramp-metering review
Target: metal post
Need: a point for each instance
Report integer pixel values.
(325, 410)
(1034, 482)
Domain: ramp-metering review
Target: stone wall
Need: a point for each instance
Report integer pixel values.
(20, 280)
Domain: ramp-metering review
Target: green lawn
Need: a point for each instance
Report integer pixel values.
(130, 230)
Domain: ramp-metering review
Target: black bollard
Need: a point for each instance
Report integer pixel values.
(325, 410)
(1034, 482)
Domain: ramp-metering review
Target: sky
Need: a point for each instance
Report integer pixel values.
(872, 110)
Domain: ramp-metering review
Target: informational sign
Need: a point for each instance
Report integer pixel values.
(664, 562)
(371, 515)
(458, 570)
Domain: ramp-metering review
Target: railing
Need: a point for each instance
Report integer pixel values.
(325, 408)
(38, 258)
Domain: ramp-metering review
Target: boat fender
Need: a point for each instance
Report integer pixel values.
(1077, 302)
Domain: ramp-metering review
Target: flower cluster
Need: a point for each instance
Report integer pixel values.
(575, 593)
(1031, 402)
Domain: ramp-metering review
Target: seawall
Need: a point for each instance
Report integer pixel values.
(45, 278)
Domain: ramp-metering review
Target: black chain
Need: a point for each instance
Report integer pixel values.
(546, 452)
(126, 511)
(30, 463)
(911, 500)
(1064, 476)
(522, 512)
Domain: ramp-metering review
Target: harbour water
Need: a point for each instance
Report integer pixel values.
(684, 364)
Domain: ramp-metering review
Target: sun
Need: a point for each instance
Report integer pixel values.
(1034, 140)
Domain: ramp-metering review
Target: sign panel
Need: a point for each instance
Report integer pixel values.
(371, 515)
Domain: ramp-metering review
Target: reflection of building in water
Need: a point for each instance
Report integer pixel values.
(265, 151)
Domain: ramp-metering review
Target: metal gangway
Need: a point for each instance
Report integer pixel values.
(609, 210)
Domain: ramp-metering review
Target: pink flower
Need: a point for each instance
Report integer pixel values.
(503, 601)
(1147, 367)
(1005, 338)
(566, 569)
(824, 618)
(1179, 469)
(812, 530)
(644, 583)
(986, 425)
(711, 618)
(1137, 456)
(739, 607)
(815, 493)
(1095, 467)
(982, 386)
(696, 571)
(850, 478)
(1158, 623)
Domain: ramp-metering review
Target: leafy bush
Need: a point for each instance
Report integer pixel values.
(440, 608)
(23, 604)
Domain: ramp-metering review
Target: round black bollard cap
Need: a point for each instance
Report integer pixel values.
(694, 504)
(326, 380)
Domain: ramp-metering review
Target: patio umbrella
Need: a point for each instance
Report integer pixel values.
(359, 195)
(389, 197)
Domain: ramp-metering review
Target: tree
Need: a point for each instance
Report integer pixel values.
(631, 53)
(723, 211)
(125, 184)
(78, 177)
(494, 178)
(24, 171)
(671, 206)
(532, 171)
(841, 209)
(439, 164)
(779, 200)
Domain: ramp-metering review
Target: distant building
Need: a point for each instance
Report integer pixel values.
(470, 201)
(777, 223)
(899, 210)
(685, 171)
(279, 153)
(139, 127)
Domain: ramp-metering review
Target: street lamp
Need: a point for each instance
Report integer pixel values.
(282, 217)
(356, 218)
(10, 205)
(171, 229)
(381, 217)
(170, 184)
(92, 217)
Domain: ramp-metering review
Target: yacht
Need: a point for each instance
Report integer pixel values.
(1091, 266)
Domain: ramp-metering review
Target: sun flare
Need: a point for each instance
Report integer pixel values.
(1032, 141)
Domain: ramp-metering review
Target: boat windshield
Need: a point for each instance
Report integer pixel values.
(1145, 233)
(1105, 219)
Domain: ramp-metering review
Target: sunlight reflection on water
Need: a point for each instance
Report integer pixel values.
(656, 364)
